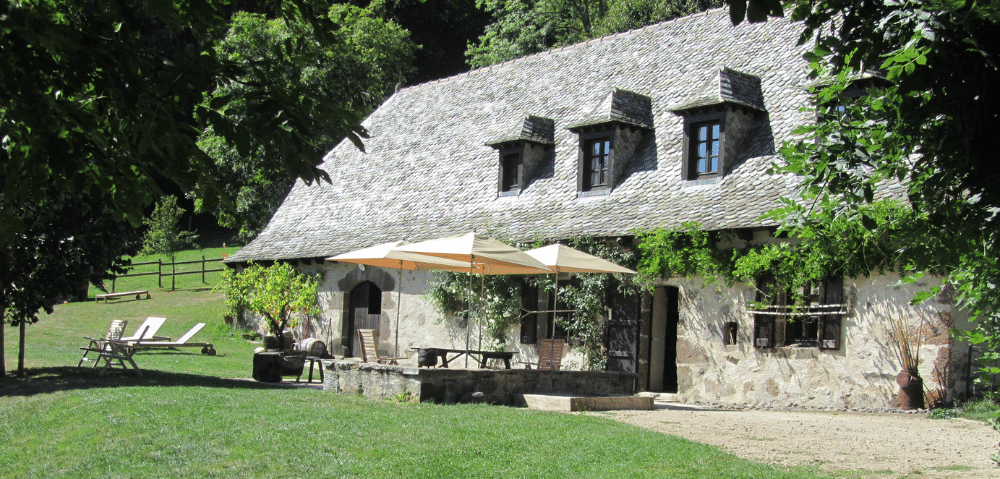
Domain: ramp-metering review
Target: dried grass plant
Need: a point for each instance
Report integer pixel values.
(903, 341)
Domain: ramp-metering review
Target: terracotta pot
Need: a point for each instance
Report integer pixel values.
(911, 391)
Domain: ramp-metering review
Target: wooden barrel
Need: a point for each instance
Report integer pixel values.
(313, 347)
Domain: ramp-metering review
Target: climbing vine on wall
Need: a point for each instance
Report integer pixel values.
(816, 250)
(500, 296)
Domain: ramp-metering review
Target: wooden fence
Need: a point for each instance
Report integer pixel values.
(172, 273)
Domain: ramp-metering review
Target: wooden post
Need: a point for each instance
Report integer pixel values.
(173, 274)
(3, 324)
(159, 273)
(202, 269)
(114, 279)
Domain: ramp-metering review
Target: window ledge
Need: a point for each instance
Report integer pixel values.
(703, 182)
(593, 193)
(506, 194)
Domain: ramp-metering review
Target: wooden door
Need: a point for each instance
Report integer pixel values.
(364, 311)
(623, 333)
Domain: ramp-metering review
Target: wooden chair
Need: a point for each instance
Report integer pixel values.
(550, 353)
(97, 345)
(369, 348)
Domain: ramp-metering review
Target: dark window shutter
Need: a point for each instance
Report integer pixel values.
(763, 324)
(529, 322)
(832, 293)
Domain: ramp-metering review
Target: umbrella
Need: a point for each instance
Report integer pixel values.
(561, 258)
(384, 255)
(482, 255)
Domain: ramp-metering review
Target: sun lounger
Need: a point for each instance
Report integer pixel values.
(206, 348)
(151, 325)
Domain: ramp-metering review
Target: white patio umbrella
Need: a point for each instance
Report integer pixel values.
(482, 255)
(562, 258)
(384, 255)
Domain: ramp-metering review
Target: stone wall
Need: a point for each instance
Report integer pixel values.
(859, 374)
(441, 385)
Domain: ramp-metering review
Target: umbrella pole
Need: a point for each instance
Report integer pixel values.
(468, 311)
(482, 308)
(399, 303)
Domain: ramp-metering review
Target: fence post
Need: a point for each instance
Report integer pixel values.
(173, 274)
(202, 269)
(159, 273)
(114, 278)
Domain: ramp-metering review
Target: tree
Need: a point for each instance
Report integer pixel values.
(68, 243)
(524, 27)
(278, 293)
(353, 73)
(100, 98)
(164, 235)
(931, 126)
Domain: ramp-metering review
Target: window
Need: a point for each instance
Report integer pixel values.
(510, 169)
(706, 139)
(597, 161)
(809, 317)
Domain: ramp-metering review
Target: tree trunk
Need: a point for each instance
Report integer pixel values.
(20, 351)
(3, 325)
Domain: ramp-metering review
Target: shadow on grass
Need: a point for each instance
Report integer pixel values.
(69, 378)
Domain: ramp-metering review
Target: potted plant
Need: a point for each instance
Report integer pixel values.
(280, 295)
(911, 386)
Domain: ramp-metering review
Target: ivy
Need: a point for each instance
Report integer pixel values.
(860, 245)
(497, 299)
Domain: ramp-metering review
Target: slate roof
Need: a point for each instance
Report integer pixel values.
(428, 171)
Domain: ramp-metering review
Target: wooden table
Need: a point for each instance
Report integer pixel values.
(479, 356)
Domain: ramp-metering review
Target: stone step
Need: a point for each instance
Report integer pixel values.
(569, 403)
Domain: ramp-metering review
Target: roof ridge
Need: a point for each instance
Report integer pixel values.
(564, 48)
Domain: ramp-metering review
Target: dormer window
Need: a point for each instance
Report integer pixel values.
(707, 138)
(522, 152)
(609, 135)
(716, 123)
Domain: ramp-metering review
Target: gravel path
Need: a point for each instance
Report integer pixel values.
(885, 444)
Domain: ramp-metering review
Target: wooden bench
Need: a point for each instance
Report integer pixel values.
(124, 294)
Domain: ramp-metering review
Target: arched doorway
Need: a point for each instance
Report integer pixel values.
(364, 311)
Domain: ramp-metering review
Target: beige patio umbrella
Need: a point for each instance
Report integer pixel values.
(562, 258)
(384, 255)
(482, 255)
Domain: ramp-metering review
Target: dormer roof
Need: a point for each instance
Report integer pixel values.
(618, 106)
(531, 129)
(727, 87)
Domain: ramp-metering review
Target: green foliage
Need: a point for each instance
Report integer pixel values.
(104, 99)
(278, 292)
(686, 250)
(821, 247)
(942, 413)
(340, 81)
(931, 127)
(501, 297)
(164, 235)
(524, 27)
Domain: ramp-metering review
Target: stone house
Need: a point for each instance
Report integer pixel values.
(670, 123)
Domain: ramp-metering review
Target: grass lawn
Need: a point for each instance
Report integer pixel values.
(194, 415)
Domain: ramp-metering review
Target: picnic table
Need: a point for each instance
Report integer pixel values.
(124, 294)
(479, 356)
